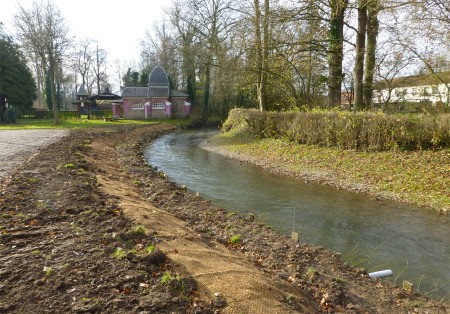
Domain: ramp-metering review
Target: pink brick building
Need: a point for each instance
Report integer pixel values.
(157, 100)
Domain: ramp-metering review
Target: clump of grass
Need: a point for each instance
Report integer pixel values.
(137, 182)
(119, 253)
(139, 230)
(310, 272)
(166, 277)
(49, 271)
(230, 214)
(33, 180)
(235, 239)
(36, 252)
(150, 248)
(70, 166)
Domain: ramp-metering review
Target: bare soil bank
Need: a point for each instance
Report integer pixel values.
(68, 213)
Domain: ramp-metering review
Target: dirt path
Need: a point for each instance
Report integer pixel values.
(217, 270)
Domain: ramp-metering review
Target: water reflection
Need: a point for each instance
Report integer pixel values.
(377, 234)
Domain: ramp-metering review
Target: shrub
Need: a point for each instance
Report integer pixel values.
(349, 130)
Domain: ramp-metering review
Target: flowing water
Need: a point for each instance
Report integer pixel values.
(413, 242)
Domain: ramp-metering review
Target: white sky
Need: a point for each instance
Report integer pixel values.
(118, 26)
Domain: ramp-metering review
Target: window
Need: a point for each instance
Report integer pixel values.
(158, 105)
(137, 107)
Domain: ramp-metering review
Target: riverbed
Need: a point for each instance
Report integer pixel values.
(369, 233)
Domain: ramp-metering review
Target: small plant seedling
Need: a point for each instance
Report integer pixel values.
(311, 271)
(166, 277)
(33, 180)
(139, 230)
(49, 271)
(119, 253)
(235, 239)
(230, 214)
(70, 166)
(137, 182)
(150, 248)
(36, 252)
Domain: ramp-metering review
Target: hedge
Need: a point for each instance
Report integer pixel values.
(349, 130)
(66, 115)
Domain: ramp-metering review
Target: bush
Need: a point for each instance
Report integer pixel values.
(348, 130)
(10, 115)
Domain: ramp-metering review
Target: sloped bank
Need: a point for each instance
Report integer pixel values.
(67, 247)
(417, 177)
(318, 272)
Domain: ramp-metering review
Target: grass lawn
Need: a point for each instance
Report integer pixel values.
(83, 123)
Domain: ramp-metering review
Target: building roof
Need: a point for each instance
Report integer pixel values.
(134, 92)
(104, 96)
(158, 86)
(158, 77)
(151, 92)
(417, 80)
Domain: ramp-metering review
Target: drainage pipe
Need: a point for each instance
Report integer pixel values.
(381, 273)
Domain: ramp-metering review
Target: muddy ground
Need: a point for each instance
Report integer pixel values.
(87, 227)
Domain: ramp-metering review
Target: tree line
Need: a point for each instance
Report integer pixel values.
(269, 54)
(302, 54)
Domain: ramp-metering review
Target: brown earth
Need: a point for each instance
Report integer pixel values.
(77, 219)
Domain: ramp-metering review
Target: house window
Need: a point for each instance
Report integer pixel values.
(137, 107)
(158, 105)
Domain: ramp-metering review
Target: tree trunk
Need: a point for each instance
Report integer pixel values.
(206, 91)
(373, 9)
(265, 56)
(258, 52)
(335, 52)
(52, 87)
(358, 73)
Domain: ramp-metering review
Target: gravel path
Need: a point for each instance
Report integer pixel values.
(16, 145)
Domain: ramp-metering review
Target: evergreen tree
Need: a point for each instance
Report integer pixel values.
(17, 87)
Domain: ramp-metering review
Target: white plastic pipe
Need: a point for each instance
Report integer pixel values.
(381, 273)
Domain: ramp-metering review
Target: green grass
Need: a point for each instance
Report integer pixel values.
(166, 277)
(119, 253)
(150, 248)
(84, 123)
(235, 239)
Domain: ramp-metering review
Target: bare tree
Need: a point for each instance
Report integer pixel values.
(44, 34)
(99, 68)
(83, 62)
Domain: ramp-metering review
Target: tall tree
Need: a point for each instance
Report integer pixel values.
(262, 41)
(83, 60)
(43, 32)
(99, 67)
(358, 75)
(212, 22)
(186, 32)
(17, 87)
(373, 9)
(335, 50)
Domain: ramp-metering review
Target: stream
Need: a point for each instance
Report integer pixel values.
(376, 234)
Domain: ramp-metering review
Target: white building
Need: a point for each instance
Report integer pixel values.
(430, 89)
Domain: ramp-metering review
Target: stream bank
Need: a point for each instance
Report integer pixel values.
(70, 224)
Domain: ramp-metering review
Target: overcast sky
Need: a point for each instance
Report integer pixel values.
(117, 25)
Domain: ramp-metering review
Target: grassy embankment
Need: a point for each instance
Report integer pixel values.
(420, 177)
